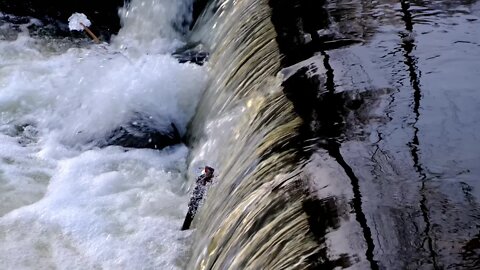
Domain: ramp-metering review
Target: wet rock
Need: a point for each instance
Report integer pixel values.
(198, 194)
(143, 132)
(103, 14)
(192, 54)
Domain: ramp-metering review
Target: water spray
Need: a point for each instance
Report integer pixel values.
(80, 22)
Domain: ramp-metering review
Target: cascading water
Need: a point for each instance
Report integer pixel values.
(112, 208)
(255, 217)
(334, 190)
(65, 203)
(312, 168)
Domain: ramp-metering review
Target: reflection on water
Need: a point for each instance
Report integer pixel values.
(400, 115)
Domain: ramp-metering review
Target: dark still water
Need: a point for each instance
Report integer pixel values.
(407, 173)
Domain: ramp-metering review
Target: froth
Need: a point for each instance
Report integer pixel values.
(115, 208)
(83, 93)
(141, 20)
(67, 204)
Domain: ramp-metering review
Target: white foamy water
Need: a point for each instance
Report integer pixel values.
(65, 203)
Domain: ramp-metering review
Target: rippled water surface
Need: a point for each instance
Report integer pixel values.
(412, 149)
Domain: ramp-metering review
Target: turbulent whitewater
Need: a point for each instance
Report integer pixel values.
(65, 203)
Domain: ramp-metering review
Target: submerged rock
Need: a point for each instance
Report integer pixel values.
(143, 132)
(192, 54)
(25, 132)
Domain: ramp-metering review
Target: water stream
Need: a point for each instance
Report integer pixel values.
(343, 133)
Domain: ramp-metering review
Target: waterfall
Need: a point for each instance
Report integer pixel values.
(332, 177)
(338, 134)
(254, 216)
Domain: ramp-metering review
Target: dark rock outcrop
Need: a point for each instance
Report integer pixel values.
(192, 54)
(143, 132)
